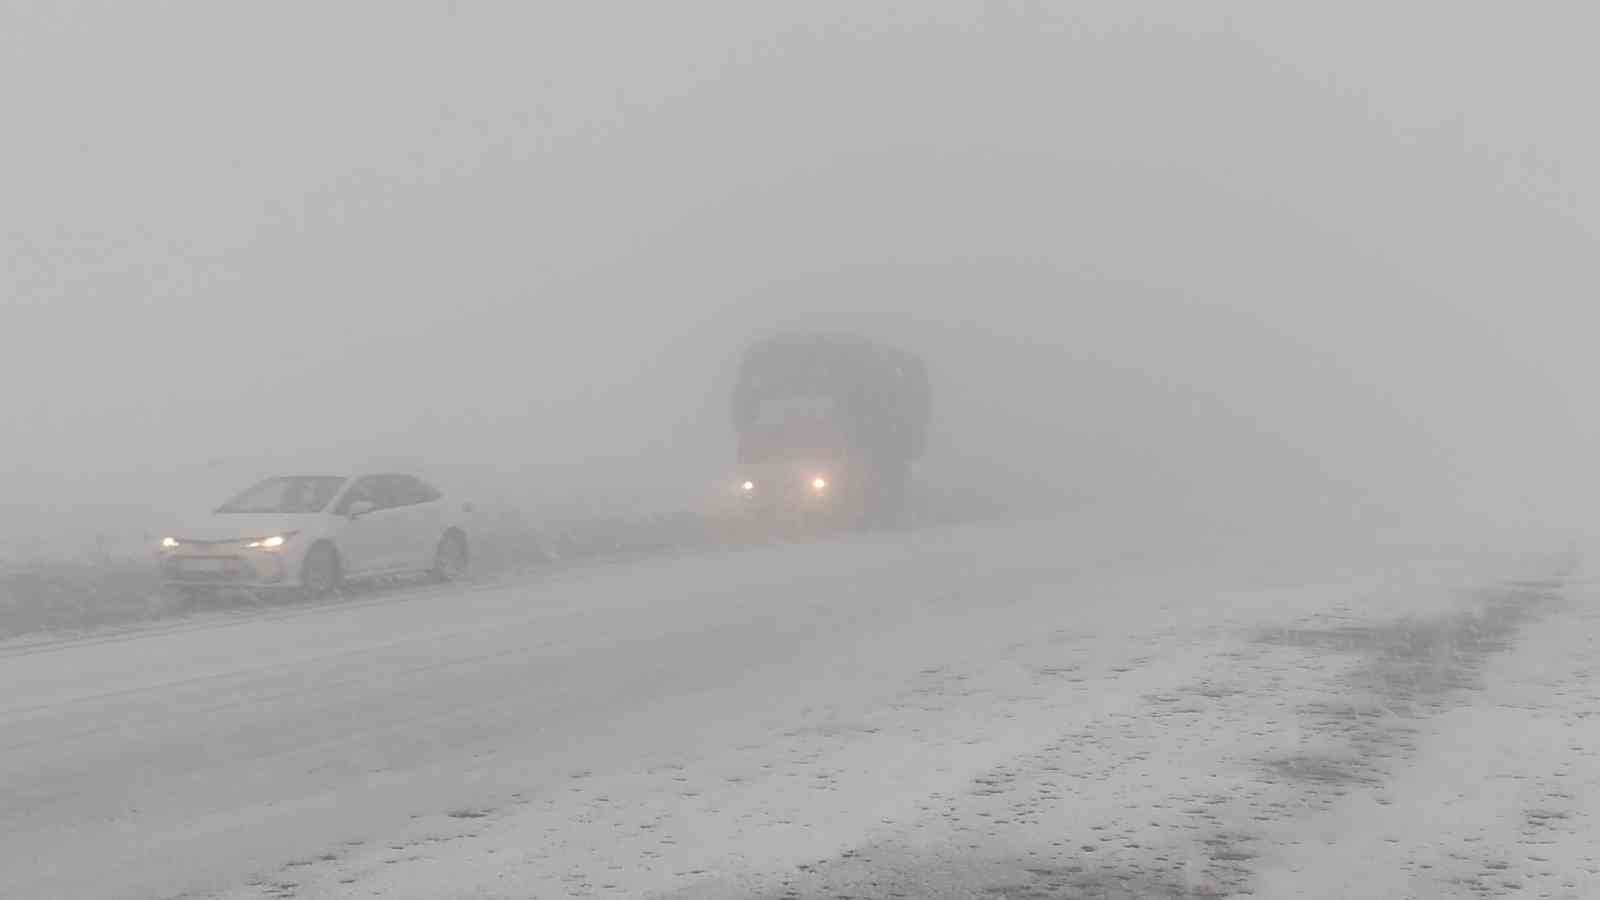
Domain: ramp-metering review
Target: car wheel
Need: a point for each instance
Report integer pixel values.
(450, 558)
(320, 576)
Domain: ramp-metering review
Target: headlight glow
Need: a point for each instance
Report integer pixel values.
(819, 484)
(168, 543)
(270, 543)
(748, 486)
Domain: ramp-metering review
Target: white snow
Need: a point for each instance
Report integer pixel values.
(944, 711)
(1507, 803)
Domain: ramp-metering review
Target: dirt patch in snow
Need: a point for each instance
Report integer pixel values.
(1411, 668)
(1339, 703)
(1371, 685)
(1364, 727)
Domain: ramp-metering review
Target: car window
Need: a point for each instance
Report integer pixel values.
(297, 494)
(371, 489)
(410, 490)
(394, 490)
(389, 491)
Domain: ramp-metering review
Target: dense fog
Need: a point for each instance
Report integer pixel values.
(1229, 257)
(1247, 550)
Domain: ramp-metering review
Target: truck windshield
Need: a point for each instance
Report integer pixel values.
(780, 410)
(787, 427)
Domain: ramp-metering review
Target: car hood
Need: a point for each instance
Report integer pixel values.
(235, 526)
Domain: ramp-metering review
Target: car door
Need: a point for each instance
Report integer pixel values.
(423, 521)
(369, 541)
(409, 521)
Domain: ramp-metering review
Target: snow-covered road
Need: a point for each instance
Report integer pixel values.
(1133, 710)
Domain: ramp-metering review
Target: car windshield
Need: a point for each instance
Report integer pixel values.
(297, 494)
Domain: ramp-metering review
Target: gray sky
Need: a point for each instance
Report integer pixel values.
(535, 234)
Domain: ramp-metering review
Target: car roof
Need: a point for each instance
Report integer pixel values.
(352, 474)
(420, 476)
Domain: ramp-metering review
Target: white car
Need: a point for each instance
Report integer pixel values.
(312, 533)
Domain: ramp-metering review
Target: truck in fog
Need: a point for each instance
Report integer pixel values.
(828, 427)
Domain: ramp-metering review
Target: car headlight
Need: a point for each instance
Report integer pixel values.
(169, 543)
(271, 543)
(819, 484)
(748, 486)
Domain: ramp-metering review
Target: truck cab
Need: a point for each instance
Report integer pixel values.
(827, 427)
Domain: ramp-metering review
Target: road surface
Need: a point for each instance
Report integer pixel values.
(1129, 709)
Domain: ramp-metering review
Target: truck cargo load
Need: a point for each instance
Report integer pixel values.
(828, 425)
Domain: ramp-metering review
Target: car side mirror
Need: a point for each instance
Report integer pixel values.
(360, 508)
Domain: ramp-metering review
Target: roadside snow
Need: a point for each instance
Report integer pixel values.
(1505, 802)
(1140, 735)
(1109, 705)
